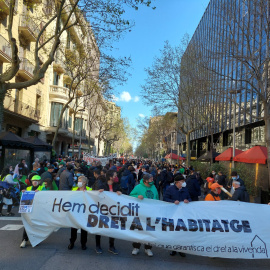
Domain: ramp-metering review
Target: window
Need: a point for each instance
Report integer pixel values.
(1, 67)
(38, 103)
(70, 122)
(56, 78)
(55, 113)
(78, 124)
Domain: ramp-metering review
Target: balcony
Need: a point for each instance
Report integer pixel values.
(5, 50)
(21, 109)
(58, 92)
(58, 64)
(28, 29)
(26, 69)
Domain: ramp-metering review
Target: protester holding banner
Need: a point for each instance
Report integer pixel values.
(112, 186)
(214, 193)
(81, 186)
(175, 194)
(36, 186)
(146, 189)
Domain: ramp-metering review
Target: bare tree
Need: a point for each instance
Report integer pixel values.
(106, 21)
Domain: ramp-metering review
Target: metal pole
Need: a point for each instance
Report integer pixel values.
(234, 120)
(80, 147)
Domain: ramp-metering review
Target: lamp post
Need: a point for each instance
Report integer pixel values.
(234, 92)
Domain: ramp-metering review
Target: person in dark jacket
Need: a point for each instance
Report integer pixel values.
(47, 174)
(175, 194)
(100, 179)
(193, 186)
(66, 179)
(221, 180)
(240, 193)
(127, 182)
(112, 186)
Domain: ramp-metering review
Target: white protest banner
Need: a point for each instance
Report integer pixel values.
(89, 159)
(216, 229)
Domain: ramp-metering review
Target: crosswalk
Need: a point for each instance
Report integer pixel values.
(11, 227)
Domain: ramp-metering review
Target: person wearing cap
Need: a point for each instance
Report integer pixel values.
(214, 193)
(146, 189)
(175, 194)
(81, 186)
(36, 186)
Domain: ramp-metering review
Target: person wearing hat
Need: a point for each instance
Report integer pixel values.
(36, 186)
(214, 193)
(175, 194)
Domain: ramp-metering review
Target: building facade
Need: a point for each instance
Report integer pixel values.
(35, 110)
(229, 56)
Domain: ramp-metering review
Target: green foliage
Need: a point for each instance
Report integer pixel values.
(202, 167)
(248, 174)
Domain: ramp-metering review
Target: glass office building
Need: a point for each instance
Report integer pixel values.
(228, 60)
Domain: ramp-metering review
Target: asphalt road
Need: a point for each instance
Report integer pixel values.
(52, 254)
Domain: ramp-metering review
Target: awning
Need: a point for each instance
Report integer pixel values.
(10, 139)
(227, 155)
(38, 143)
(256, 154)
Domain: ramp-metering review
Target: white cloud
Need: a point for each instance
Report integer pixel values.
(125, 96)
(136, 99)
(141, 115)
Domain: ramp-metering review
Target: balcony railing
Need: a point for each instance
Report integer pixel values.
(17, 106)
(59, 90)
(5, 50)
(28, 27)
(26, 69)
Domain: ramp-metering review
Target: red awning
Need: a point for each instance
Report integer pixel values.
(174, 156)
(256, 154)
(227, 155)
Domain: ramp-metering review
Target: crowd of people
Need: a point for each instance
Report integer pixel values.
(136, 178)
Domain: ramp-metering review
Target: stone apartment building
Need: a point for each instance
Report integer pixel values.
(34, 111)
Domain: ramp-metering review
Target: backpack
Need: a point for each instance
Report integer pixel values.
(124, 182)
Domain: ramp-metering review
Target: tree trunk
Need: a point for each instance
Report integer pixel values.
(2, 98)
(98, 148)
(59, 123)
(267, 136)
(73, 136)
(188, 149)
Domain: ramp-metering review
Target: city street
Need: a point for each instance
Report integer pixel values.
(53, 254)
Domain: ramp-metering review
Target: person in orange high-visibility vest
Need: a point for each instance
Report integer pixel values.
(214, 193)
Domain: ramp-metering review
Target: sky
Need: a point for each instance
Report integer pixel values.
(169, 21)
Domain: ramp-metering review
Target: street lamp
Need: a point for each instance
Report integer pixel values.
(234, 92)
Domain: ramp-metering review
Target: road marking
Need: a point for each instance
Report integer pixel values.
(11, 218)
(11, 227)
